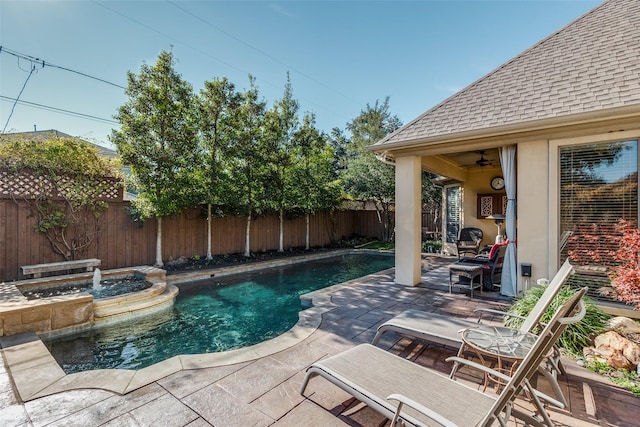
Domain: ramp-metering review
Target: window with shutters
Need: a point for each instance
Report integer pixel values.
(453, 210)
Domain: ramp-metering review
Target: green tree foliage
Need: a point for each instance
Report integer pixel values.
(281, 123)
(218, 105)
(158, 139)
(247, 163)
(67, 177)
(368, 178)
(315, 184)
(365, 177)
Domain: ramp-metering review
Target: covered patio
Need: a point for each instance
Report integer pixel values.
(559, 123)
(264, 391)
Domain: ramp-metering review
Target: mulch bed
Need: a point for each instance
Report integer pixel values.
(201, 263)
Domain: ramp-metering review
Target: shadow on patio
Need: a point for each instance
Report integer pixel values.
(265, 391)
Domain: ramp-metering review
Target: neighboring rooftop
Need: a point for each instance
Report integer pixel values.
(590, 65)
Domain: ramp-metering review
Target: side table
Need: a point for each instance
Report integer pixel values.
(470, 271)
(498, 342)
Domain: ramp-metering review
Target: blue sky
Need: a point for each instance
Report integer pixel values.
(341, 55)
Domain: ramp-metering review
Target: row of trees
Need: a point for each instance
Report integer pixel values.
(221, 148)
(224, 148)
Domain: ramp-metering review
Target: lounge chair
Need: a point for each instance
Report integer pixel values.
(425, 397)
(445, 330)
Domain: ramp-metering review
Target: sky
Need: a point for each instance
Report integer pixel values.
(341, 55)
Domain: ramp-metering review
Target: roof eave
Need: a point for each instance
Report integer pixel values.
(497, 131)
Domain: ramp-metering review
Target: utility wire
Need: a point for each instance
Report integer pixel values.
(200, 51)
(142, 24)
(58, 110)
(13, 107)
(48, 64)
(201, 19)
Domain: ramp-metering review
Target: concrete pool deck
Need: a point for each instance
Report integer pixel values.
(259, 385)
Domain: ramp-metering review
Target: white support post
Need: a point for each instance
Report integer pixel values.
(408, 221)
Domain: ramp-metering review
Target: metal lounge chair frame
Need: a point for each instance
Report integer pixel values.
(445, 330)
(425, 397)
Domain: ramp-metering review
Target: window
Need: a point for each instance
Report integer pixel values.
(454, 207)
(598, 187)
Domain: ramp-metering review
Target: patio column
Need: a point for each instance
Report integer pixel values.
(408, 220)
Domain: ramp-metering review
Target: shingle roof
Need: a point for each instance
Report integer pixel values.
(589, 65)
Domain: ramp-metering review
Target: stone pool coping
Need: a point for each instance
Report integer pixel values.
(35, 373)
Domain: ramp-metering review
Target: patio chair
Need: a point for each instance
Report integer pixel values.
(491, 264)
(425, 397)
(469, 240)
(445, 330)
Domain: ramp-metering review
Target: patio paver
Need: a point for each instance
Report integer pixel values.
(264, 391)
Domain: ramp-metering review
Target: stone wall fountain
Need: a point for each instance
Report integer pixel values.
(75, 302)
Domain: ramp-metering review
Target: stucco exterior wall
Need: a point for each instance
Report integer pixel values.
(532, 211)
(538, 198)
(478, 182)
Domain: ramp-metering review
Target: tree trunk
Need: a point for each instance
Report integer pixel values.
(209, 256)
(247, 241)
(159, 244)
(382, 222)
(281, 244)
(307, 247)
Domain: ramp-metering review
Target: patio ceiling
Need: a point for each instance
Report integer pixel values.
(457, 165)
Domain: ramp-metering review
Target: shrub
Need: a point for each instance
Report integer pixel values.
(626, 379)
(626, 276)
(593, 244)
(577, 335)
(432, 246)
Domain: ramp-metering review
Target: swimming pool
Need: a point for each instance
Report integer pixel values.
(212, 315)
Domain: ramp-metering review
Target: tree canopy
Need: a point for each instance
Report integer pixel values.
(66, 180)
(158, 139)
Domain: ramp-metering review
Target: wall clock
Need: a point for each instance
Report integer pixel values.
(497, 183)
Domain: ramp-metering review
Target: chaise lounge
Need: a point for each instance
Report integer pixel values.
(445, 330)
(404, 391)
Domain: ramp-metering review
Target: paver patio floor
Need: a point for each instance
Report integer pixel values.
(265, 391)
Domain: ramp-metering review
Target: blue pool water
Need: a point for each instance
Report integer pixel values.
(213, 315)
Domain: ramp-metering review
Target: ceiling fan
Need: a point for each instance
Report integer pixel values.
(482, 161)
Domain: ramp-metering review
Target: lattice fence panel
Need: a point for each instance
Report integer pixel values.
(28, 185)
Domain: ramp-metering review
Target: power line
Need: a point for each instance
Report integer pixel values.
(34, 60)
(13, 107)
(202, 52)
(201, 19)
(142, 24)
(58, 110)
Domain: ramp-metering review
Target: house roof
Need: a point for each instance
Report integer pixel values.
(590, 65)
(45, 134)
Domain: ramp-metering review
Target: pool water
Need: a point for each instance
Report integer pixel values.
(214, 315)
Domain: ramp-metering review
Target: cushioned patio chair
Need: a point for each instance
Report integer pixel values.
(469, 240)
(445, 330)
(404, 391)
(491, 264)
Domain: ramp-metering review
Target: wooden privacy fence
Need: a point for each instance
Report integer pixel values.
(122, 243)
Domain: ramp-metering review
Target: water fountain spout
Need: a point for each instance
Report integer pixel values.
(97, 276)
